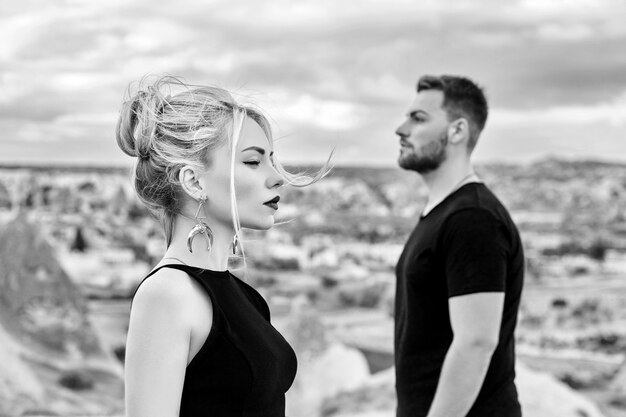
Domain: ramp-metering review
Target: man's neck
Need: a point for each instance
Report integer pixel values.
(446, 180)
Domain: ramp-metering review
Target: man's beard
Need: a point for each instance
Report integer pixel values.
(427, 158)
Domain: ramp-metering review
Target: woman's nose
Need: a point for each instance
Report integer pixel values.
(275, 180)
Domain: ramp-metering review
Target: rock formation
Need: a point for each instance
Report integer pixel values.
(540, 394)
(52, 359)
(325, 367)
(618, 384)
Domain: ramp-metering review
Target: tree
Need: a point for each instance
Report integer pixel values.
(79, 244)
(597, 250)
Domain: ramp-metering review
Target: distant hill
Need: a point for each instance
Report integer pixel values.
(55, 168)
(548, 163)
(37, 298)
(50, 352)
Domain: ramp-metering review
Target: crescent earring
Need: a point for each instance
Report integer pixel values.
(201, 228)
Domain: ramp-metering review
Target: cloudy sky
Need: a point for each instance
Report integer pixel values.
(331, 73)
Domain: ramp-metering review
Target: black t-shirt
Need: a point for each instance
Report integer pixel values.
(466, 244)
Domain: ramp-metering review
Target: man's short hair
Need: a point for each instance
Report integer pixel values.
(461, 98)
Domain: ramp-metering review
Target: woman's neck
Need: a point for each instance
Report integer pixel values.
(215, 258)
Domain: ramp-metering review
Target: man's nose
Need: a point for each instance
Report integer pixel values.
(402, 130)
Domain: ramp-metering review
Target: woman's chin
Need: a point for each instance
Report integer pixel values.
(259, 224)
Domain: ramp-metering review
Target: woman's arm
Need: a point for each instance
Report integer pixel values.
(158, 345)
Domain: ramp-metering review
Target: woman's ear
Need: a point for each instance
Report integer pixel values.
(188, 177)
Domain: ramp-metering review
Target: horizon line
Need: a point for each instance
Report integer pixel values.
(37, 165)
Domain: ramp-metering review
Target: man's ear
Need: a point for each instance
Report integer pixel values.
(188, 177)
(458, 131)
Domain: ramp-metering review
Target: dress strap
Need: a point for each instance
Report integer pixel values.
(183, 268)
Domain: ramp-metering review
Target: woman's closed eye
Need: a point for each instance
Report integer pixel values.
(253, 163)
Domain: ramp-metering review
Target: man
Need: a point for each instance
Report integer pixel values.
(460, 276)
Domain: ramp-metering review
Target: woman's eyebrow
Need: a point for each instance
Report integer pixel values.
(255, 148)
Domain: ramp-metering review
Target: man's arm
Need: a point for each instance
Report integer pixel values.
(475, 320)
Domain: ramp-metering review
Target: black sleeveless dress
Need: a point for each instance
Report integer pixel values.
(245, 366)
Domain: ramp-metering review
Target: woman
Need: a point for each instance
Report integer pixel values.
(200, 342)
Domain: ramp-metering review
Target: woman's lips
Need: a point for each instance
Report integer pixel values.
(273, 203)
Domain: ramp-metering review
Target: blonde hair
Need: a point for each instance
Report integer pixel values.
(166, 132)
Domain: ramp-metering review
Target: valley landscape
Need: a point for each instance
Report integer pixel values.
(75, 242)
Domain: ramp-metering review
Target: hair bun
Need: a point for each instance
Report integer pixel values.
(126, 127)
(139, 117)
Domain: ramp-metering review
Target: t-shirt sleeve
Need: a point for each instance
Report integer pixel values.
(475, 250)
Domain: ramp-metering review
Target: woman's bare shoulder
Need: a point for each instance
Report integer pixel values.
(167, 289)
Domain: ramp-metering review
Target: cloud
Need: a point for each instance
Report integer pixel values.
(612, 112)
(589, 141)
(313, 111)
(332, 73)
